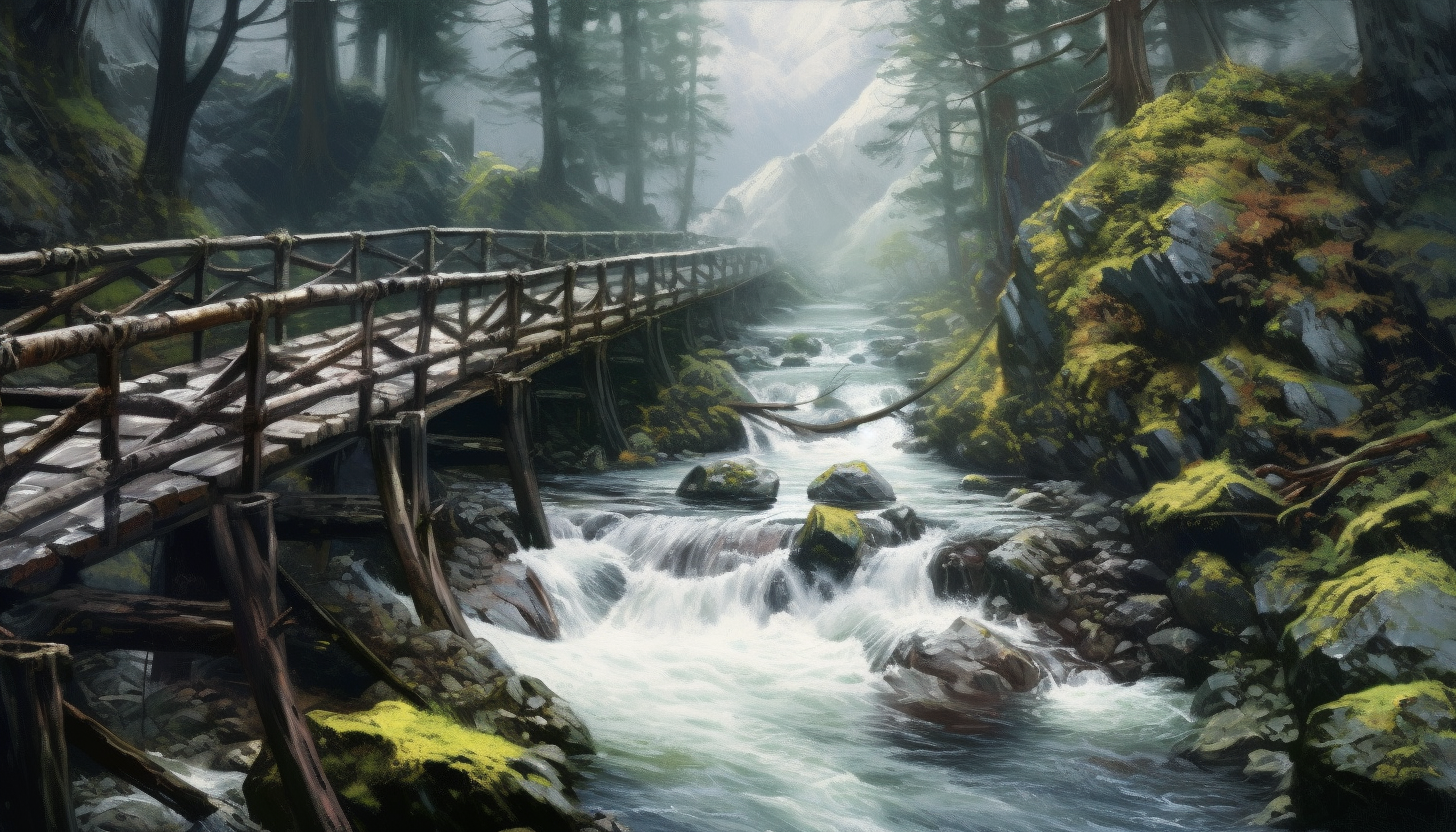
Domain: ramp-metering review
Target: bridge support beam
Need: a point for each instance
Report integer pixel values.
(33, 759)
(657, 361)
(720, 328)
(247, 557)
(406, 504)
(689, 330)
(598, 382)
(517, 440)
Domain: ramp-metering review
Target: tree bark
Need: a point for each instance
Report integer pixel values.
(1408, 55)
(53, 32)
(1189, 41)
(1130, 83)
(553, 161)
(575, 83)
(314, 97)
(366, 45)
(633, 152)
(178, 96)
(1000, 116)
(34, 767)
(402, 93)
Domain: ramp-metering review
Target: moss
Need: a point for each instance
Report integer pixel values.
(690, 415)
(1212, 596)
(1336, 601)
(1202, 488)
(1392, 735)
(395, 766)
(831, 540)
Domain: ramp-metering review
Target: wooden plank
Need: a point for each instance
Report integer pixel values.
(86, 618)
(34, 764)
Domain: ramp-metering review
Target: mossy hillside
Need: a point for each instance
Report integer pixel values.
(690, 415)
(1272, 155)
(397, 767)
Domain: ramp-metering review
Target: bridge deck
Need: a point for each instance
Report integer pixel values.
(118, 463)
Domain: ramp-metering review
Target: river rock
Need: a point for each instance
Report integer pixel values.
(396, 767)
(1181, 651)
(851, 485)
(959, 570)
(1018, 566)
(1382, 758)
(975, 664)
(737, 480)
(1319, 405)
(831, 541)
(1388, 621)
(1418, 519)
(1328, 346)
(1227, 737)
(803, 345)
(893, 526)
(1140, 614)
(1211, 596)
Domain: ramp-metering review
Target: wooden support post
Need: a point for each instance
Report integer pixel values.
(657, 361)
(568, 304)
(653, 285)
(355, 246)
(689, 331)
(598, 382)
(255, 403)
(247, 558)
(433, 599)
(720, 328)
(430, 241)
(538, 251)
(517, 438)
(34, 767)
(629, 291)
(73, 276)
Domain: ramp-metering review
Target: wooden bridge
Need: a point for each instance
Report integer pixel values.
(143, 394)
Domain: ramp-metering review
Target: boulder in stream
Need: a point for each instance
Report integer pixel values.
(851, 485)
(397, 767)
(831, 541)
(737, 480)
(1211, 596)
(964, 671)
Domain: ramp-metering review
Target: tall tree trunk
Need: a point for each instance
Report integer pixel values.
(1408, 53)
(949, 210)
(314, 95)
(553, 158)
(1000, 116)
(366, 45)
(177, 96)
(1129, 81)
(1189, 41)
(53, 32)
(401, 75)
(633, 154)
(690, 165)
(574, 85)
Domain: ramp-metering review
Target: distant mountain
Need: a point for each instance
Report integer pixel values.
(804, 202)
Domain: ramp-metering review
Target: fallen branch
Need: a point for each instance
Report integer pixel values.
(847, 424)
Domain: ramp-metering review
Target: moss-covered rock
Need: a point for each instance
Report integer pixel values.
(690, 415)
(850, 485)
(1421, 518)
(803, 344)
(1211, 596)
(1193, 511)
(831, 541)
(397, 767)
(1018, 568)
(1283, 577)
(1384, 757)
(1388, 621)
(737, 480)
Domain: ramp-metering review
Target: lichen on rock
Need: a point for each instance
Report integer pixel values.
(831, 541)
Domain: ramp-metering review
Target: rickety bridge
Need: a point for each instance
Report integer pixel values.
(153, 397)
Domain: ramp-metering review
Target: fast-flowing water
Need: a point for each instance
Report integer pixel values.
(713, 715)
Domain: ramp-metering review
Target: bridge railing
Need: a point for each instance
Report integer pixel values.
(77, 284)
(501, 322)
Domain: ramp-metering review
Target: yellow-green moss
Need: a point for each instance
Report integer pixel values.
(1201, 488)
(1334, 602)
(1408, 721)
(690, 415)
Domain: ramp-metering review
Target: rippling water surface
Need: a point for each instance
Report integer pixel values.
(713, 715)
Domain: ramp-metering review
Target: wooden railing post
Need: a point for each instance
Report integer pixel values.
(629, 291)
(430, 240)
(514, 289)
(247, 557)
(34, 763)
(538, 252)
(355, 247)
(108, 378)
(429, 295)
(601, 302)
(255, 403)
(199, 295)
(652, 285)
(283, 247)
(568, 303)
(517, 440)
(366, 365)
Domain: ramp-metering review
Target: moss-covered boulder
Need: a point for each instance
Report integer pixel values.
(1422, 518)
(1018, 567)
(1384, 757)
(396, 767)
(691, 415)
(803, 344)
(1389, 621)
(1284, 577)
(1211, 596)
(851, 485)
(737, 480)
(1206, 507)
(831, 542)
